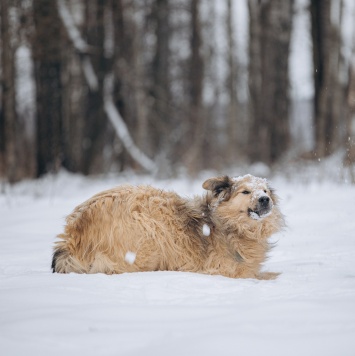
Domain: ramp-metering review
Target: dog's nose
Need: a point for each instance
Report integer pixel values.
(264, 200)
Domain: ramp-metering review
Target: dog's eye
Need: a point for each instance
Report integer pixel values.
(246, 192)
(265, 191)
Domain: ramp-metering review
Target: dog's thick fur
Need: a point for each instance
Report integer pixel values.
(168, 233)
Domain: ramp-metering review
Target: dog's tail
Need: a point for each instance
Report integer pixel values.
(64, 261)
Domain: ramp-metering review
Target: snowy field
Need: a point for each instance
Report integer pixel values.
(308, 310)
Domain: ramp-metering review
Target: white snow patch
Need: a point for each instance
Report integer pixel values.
(206, 230)
(130, 257)
(252, 183)
(259, 193)
(309, 310)
(254, 216)
(252, 179)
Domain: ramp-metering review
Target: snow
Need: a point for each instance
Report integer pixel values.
(130, 257)
(308, 310)
(206, 231)
(254, 180)
(255, 184)
(259, 193)
(254, 215)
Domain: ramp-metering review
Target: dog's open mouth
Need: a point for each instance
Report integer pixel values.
(258, 214)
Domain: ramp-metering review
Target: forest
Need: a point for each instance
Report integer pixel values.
(164, 86)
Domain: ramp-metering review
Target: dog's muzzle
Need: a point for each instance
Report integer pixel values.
(262, 208)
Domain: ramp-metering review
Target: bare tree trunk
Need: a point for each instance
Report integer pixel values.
(130, 73)
(280, 22)
(349, 159)
(47, 63)
(123, 57)
(96, 121)
(121, 53)
(270, 30)
(107, 87)
(232, 88)
(8, 120)
(215, 142)
(160, 73)
(73, 97)
(141, 104)
(258, 127)
(196, 74)
(328, 103)
(350, 127)
(73, 112)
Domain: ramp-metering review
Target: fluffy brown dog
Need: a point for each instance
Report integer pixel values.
(140, 228)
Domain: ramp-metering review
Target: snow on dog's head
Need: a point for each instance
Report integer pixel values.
(256, 193)
(246, 199)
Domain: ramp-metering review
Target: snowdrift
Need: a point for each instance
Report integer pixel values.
(308, 310)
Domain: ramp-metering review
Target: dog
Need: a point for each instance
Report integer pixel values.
(140, 228)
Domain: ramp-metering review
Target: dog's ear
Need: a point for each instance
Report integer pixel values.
(219, 185)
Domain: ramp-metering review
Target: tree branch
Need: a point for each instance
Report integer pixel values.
(112, 113)
(80, 45)
(121, 128)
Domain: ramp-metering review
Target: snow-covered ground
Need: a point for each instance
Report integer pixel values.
(308, 310)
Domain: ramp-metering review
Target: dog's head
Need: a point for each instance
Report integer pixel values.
(245, 196)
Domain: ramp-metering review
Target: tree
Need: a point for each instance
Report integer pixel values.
(73, 111)
(8, 117)
(233, 114)
(48, 69)
(329, 100)
(161, 118)
(197, 122)
(350, 127)
(73, 97)
(270, 30)
(104, 84)
(349, 159)
(95, 128)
